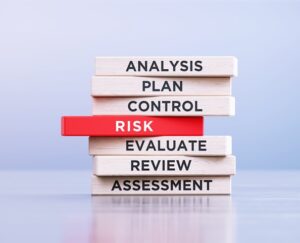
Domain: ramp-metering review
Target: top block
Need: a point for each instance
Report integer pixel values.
(196, 66)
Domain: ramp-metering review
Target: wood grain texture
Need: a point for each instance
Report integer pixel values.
(218, 66)
(161, 185)
(167, 145)
(159, 86)
(166, 106)
(163, 165)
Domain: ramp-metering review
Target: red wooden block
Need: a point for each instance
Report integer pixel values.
(123, 126)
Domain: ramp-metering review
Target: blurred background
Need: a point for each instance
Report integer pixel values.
(47, 58)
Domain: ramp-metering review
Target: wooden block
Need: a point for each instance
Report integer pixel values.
(166, 106)
(163, 165)
(159, 86)
(197, 66)
(185, 145)
(161, 185)
(123, 126)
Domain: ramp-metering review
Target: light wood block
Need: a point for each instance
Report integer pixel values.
(161, 185)
(159, 86)
(166, 106)
(167, 145)
(163, 165)
(197, 66)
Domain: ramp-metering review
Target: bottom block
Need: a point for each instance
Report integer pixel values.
(161, 185)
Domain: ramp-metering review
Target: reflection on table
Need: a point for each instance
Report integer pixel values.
(162, 219)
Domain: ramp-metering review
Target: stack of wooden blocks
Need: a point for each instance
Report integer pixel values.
(146, 132)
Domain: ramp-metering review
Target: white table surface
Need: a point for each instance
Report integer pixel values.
(39, 206)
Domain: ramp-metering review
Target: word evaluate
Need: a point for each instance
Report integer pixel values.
(161, 145)
(168, 145)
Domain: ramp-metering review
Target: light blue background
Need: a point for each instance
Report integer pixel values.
(47, 53)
